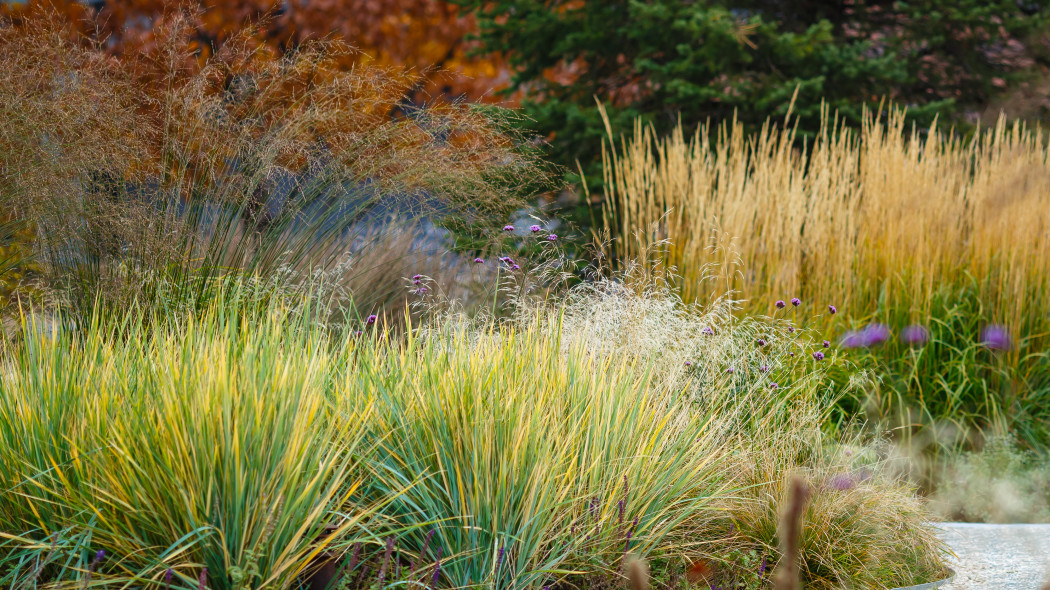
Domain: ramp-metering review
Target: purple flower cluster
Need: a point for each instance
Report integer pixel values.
(818, 355)
(996, 337)
(842, 482)
(508, 228)
(914, 335)
(870, 335)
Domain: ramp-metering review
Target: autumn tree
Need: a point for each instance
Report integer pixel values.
(428, 38)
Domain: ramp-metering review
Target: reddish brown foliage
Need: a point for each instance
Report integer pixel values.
(426, 38)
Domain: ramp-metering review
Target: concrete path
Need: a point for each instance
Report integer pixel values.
(999, 556)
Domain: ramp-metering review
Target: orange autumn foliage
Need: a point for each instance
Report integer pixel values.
(426, 39)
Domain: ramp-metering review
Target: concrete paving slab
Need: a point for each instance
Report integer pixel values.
(999, 556)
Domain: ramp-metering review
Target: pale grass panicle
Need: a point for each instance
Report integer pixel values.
(858, 215)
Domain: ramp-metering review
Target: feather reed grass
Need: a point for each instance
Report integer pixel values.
(887, 224)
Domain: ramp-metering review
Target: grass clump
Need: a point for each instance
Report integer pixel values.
(891, 226)
(146, 177)
(262, 446)
(998, 483)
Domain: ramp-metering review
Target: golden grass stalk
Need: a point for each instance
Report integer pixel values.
(883, 215)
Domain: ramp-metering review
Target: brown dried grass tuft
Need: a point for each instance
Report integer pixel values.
(168, 167)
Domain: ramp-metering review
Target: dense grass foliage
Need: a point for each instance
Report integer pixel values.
(144, 181)
(250, 441)
(893, 226)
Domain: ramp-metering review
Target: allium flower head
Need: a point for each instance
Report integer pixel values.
(871, 335)
(818, 355)
(534, 228)
(796, 301)
(508, 228)
(552, 237)
(876, 334)
(780, 304)
(914, 335)
(371, 319)
(842, 482)
(834, 310)
(479, 260)
(996, 337)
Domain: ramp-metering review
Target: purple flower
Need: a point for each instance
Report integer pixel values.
(780, 304)
(420, 291)
(827, 344)
(730, 370)
(515, 267)
(688, 364)
(773, 386)
(358, 332)
(762, 567)
(372, 318)
(834, 310)
(791, 329)
(507, 259)
(876, 334)
(764, 368)
(168, 575)
(792, 353)
(508, 228)
(760, 342)
(996, 337)
(437, 570)
(479, 261)
(707, 330)
(534, 228)
(871, 335)
(796, 301)
(416, 277)
(914, 335)
(499, 559)
(552, 237)
(818, 355)
(417, 282)
(842, 482)
(100, 555)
